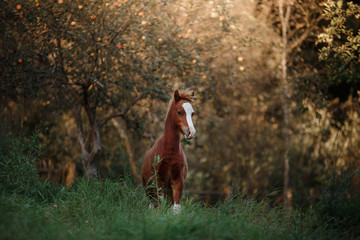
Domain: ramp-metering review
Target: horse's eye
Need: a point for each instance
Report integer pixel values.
(180, 113)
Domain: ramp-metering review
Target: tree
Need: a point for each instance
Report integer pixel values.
(296, 26)
(284, 19)
(98, 59)
(340, 44)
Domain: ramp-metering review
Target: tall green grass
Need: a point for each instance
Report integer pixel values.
(118, 209)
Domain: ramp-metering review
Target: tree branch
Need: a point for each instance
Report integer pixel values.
(124, 111)
(124, 26)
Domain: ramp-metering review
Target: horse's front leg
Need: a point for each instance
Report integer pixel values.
(177, 187)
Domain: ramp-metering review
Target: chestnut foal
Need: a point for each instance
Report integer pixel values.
(166, 175)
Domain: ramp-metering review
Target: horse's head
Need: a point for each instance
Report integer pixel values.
(183, 113)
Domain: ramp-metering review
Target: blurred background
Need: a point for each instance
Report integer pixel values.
(277, 86)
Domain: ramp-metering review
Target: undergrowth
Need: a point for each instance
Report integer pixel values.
(118, 209)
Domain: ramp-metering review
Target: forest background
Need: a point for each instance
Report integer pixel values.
(277, 86)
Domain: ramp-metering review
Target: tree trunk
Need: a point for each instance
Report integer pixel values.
(250, 173)
(90, 146)
(284, 18)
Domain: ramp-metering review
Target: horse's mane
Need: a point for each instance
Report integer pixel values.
(185, 94)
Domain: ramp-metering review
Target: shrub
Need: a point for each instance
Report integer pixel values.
(18, 173)
(339, 206)
(340, 46)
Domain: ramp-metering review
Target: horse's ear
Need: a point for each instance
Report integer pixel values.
(177, 96)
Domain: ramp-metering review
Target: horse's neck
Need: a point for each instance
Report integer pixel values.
(171, 138)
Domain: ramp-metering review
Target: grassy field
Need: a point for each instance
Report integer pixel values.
(119, 210)
(112, 209)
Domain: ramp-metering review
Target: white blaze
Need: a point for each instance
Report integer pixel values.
(189, 110)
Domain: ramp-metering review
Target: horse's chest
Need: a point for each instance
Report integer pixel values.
(171, 168)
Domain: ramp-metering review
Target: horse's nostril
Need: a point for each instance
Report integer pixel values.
(189, 135)
(186, 132)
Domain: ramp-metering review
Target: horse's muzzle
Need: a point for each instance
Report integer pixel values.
(190, 134)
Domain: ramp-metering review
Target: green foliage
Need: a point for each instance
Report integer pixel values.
(341, 42)
(153, 180)
(340, 203)
(18, 173)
